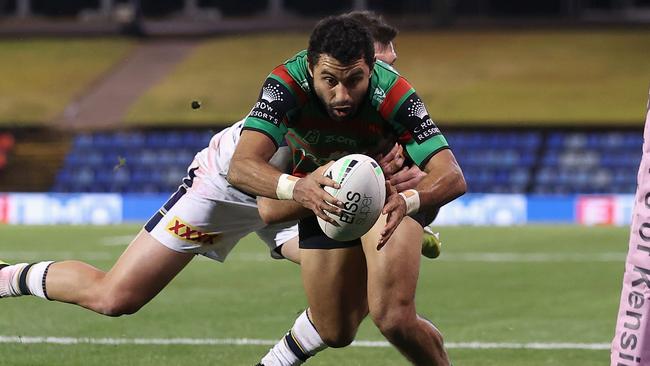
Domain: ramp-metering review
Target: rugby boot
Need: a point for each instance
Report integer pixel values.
(431, 244)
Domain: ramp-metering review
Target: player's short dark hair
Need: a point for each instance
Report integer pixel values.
(342, 38)
(381, 31)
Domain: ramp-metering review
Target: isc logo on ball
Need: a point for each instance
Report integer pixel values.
(357, 208)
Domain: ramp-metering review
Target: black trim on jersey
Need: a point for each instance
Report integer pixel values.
(426, 160)
(276, 253)
(153, 221)
(273, 103)
(22, 280)
(295, 348)
(413, 115)
(264, 132)
(182, 189)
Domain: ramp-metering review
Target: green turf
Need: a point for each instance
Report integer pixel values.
(510, 77)
(40, 77)
(572, 297)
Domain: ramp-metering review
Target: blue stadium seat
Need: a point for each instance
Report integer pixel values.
(507, 161)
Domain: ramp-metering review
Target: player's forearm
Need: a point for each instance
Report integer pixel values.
(253, 176)
(436, 191)
(443, 183)
(275, 211)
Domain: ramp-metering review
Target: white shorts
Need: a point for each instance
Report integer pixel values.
(191, 222)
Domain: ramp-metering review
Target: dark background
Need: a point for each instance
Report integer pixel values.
(458, 8)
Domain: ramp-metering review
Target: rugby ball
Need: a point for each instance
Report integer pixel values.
(363, 192)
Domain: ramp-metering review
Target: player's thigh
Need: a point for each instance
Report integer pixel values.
(335, 285)
(145, 268)
(290, 250)
(393, 270)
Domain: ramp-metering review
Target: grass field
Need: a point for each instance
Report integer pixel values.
(41, 76)
(519, 285)
(497, 77)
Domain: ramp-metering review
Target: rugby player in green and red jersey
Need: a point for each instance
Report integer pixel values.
(402, 174)
(327, 102)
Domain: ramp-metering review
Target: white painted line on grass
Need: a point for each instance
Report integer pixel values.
(118, 240)
(270, 342)
(532, 257)
(41, 255)
(485, 257)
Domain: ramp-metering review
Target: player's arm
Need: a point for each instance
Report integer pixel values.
(274, 211)
(251, 172)
(443, 182)
(427, 147)
(263, 131)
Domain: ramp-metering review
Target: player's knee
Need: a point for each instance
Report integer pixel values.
(395, 324)
(337, 336)
(337, 339)
(118, 305)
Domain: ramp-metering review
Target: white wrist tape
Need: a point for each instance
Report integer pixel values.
(412, 198)
(286, 183)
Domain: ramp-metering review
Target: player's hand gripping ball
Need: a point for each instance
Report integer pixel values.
(363, 192)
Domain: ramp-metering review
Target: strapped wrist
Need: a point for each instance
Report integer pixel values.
(412, 199)
(286, 184)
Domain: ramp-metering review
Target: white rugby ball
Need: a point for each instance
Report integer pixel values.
(363, 192)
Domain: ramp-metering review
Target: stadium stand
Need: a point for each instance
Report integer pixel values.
(129, 162)
(6, 145)
(589, 162)
(496, 162)
(508, 161)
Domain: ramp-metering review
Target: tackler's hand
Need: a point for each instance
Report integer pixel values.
(392, 162)
(407, 178)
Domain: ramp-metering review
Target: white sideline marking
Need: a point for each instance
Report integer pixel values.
(270, 342)
(485, 257)
(38, 255)
(119, 240)
(532, 257)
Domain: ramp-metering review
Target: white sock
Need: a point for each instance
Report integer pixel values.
(302, 342)
(29, 279)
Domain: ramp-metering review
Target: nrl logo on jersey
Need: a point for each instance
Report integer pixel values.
(379, 95)
(312, 137)
(304, 84)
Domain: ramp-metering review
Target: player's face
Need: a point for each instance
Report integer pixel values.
(340, 87)
(385, 52)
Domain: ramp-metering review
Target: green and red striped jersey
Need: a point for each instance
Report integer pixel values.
(289, 110)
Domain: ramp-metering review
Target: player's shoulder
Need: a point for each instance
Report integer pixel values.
(294, 75)
(384, 74)
(386, 82)
(297, 69)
